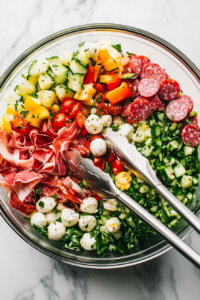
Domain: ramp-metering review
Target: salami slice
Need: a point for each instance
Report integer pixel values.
(153, 70)
(169, 89)
(134, 66)
(133, 87)
(189, 121)
(140, 110)
(144, 60)
(148, 86)
(154, 101)
(177, 110)
(190, 102)
(191, 135)
(162, 106)
(126, 109)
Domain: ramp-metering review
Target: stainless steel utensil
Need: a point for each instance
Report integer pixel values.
(102, 183)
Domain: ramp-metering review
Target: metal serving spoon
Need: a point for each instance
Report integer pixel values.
(101, 183)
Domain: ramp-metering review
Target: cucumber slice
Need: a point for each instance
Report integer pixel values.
(173, 126)
(103, 219)
(117, 235)
(188, 150)
(128, 75)
(83, 56)
(65, 57)
(45, 81)
(172, 160)
(162, 123)
(63, 92)
(155, 130)
(147, 151)
(58, 69)
(195, 181)
(144, 189)
(77, 67)
(157, 141)
(131, 222)
(156, 153)
(193, 114)
(160, 116)
(173, 145)
(186, 181)
(38, 67)
(12, 97)
(168, 171)
(75, 82)
(92, 49)
(112, 247)
(154, 208)
(123, 216)
(25, 89)
(179, 170)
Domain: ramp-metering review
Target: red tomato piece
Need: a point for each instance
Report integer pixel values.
(99, 87)
(131, 121)
(85, 110)
(102, 109)
(83, 132)
(117, 166)
(80, 119)
(96, 136)
(100, 97)
(89, 76)
(67, 105)
(111, 157)
(21, 125)
(60, 120)
(114, 110)
(113, 84)
(76, 108)
(88, 145)
(97, 197)
(100, 162)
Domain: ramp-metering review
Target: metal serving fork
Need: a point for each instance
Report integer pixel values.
(101, 183)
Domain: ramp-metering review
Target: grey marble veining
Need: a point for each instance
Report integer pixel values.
(27, 274)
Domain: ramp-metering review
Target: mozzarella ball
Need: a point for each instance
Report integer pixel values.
(93, 124)
(38, 219)
(98, 147)
(118, 121)
(87, 223)
(46, 204)
(88, 242)
(60, 206)
(106, 120)
(126, 130)
(52, 217)
(112, 225)
(110, 204)
(93, 110)
(89, 205)
(56, 231)
(69, 217)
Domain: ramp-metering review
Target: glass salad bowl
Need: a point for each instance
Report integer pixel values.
(176, 64)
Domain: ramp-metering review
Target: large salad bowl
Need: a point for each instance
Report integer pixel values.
(176, 64)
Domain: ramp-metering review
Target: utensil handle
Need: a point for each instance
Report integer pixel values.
(179, 207)
(166, 233)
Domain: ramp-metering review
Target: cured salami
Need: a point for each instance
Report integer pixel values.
(140, 110)
(134, 66)
(177, 110)
(190, 102)
(189, 121)
(144, 60)
(148, 87)
(155, 102)
(153, 70)
(191, 135)
(126, 109)
(169, 89)
(162, 105)
(133, 87)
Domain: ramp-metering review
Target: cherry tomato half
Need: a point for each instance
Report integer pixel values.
(77, 107)
(99, 87)
(111, 157)
(21, 125)
(131, 121)
(94, 137)
(85, 110)
(102, 109)
(100, 162)
(80, 119)
(117, 166)
(100, 97)
(60, 120)
(83, 132)
(114, 110)
(67, 105)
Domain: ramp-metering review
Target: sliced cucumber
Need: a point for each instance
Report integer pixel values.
(144, 189)
(131, 222)
(172, 160)
(168, 171)
(123, 216)
(75, 82)
(45, 81)
(112, 247)
(186, 181)
(173, 126)
(25, 89)
(103, 219)
(63, 92)
(12, 97)
(58, 69)
(77, 67)
(147, 151)
(92, 49)
(195, 181)
(173, 145)
(38, 67)
(160, 116)
(117, 235)
(83, 56)
(65, 57)
(179, 170)
(188, 150)
(128, 75)
(155, 130)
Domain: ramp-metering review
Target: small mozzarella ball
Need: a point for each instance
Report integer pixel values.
(69, 217)
(98, 147)
(46, 204)
(126, 130)
(106, 120)
(93, 110)
(52, 217)
(87, 223)
(56, 231)
(89, 205)
(118, 121)
(60, 206)
(38, 219)
(110, 204)
(93, 124)
(112, 225)
(88, 242)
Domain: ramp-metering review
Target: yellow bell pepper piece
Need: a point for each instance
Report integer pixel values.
(47, 97)
(97, 69)
(88, 102)
(31, 103)
(107, 78)
(7, 120)
(33, 120)
(85, 94)
(104, 55)
(123, 180)
(110, 65)
(41, 113)
(11, 111)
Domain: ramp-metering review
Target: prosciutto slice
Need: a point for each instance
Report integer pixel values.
(18, 205)
(17, 140)
(47, 129)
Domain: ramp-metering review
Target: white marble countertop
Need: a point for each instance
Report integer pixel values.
(26, 274)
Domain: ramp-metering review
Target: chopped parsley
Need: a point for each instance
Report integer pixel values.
(41, 204)
(85, 183)
(38, 191)
(118, 47)
(81, 44)
(55, 196)
(19, 127)
(129, 54)
(71, 184)
(80, 185)
(34, 95)
(172, 117)
(107, 168)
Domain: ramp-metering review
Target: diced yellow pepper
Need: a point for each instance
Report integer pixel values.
(33, 120)
(97, 69)
(104, 55)
(107, 78)
(109, 65)
(1, 122)
(7, 120)
(32, 103)
(41, 113)
(123, 180)
(47, 97)
(55, 108)
(85, 94)
(88, 102)
(11, 111)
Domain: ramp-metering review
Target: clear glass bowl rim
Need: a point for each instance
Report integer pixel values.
(105, 27)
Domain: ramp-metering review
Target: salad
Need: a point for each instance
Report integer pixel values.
(65, 103)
